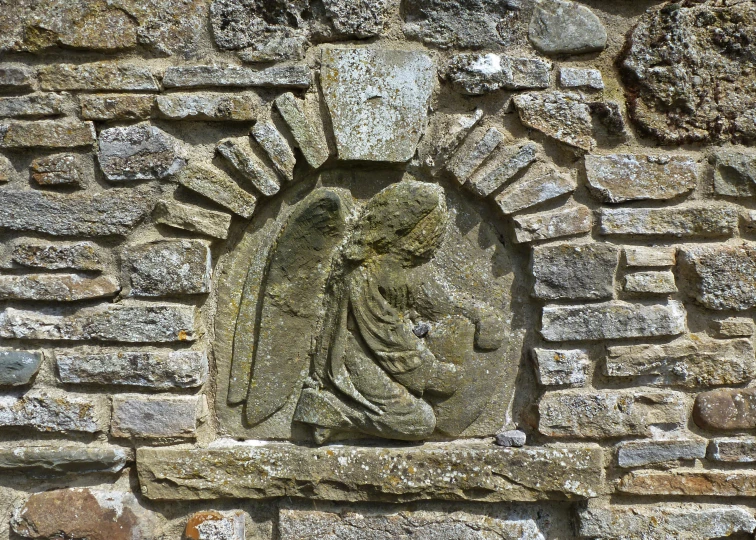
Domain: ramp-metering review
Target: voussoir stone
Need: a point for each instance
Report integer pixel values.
(574, 271)
(507, 162)
(51, 410)
(538, 185)
(168, 267)
(217, 186)
(649, 451)
(564, 27)
(695, 220)
(563, 116)
(477, 74)
(154, 416)
(726, 409)
(276, 147)
(18, 367)
(65, 133)
(473, 152)
(140, 152)
(247, 161)
(64, 459)
(721, 275)
(445, 133)
(192, 218)
(306, 128)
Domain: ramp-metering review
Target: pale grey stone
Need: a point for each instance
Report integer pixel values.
(116, 106)
(209, 106)
(473, 152)
(114, 212)
(574, 271)
(734, 171)
(570, 77)
(217, 186)
(276, 147)
(650, 256)
(216, 526)
(241, 156)
(168, 268)
(161, 370)
(721, 275)
(32, 106)
(274, 47)
(564, 116)
(16, 78)
(57, 256)
(111, 322)
(51, 410)
(733, 449)
(564, 27)
(57, 287)
(693, 221)
(561, 367)
(139, 152)
(681, 521)
(65, 133)
(650, 282)
(512, 438)
(539, 184)
(618, 178)
(474, 471)
(509, 161)
(18, 367)
(567, 221)
(650, 451)
(154, 417)
(378, 101)
(235, 76)
(690, 362)
(306, 132)
(612, 320)
(100, 76)
(359, 18)
(64, 459)
(609, 413)
(60, 170)
(478, 74)
(192, 218)
(733, 327)
(444, 135)
(7, 171)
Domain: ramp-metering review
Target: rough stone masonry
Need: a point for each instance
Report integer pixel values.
(377, 269)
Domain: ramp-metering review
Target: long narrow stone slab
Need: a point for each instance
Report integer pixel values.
(234, 76)
(469, 471)
(694, 221)
(57, 287)
(52, 411)
(565, 221)
(66, 133)
(100, 76)
(691, 482)
(65, 459)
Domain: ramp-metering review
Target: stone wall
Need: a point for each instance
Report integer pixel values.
(195, 196)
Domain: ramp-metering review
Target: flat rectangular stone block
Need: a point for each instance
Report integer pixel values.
(733, 449)
(52, 410)
(217, 186)
(18, 367)
(446, 471)
(235, 76)
(66, 133)
(116, 106)
(639, 256)
(565, 221)
(690, 482)
(100, 76)
(539, 185)
(57, 287)
(68, 458)
(695, 221)
(649, 451)
(153, 417)
(192, 218)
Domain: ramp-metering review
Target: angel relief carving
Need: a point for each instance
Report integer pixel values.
(358, 328)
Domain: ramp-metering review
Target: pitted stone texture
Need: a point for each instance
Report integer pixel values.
(726, 409)
(217, 186)
(16, 78)
(359, 18)
(563, 116)
(693, 221)
(153, 417)
(734, 171)
(581, 78)
(274, 47)
(209, 106)
(561, 367)
(60, 170)
(51, 410)
(733, 327)
(245, 160)
(65, 133)
(596, 414)
(114, 212)
(686, 67)
(564, 27)
(474, 471)
(690, 482)
(140, 152)
(57, 287)
(657, 256)
(168, 268)
(7, 171)
(192, 218)
(378, 100)
(64, 459)
(18, 367)
(101, 76)
(722, 275)
(685, 521)
(509, 161)
(651, 451)
(477, 74)
(612, 320)
(161, 370)
(276, 147)
(212, 525)
(538, 185)
(235, 76)
(305, 128)
(32, 106)
(574, 271)
(84, 513)
(127, 324)
(473, 152)
(57, 256)
(116, 107)
(733, 449)
(651, 282)
(618, 178)
(567, 221)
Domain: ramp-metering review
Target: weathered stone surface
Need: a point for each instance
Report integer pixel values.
(154, 417)
(651, 282)
(574, 271)
(650, 451)
(140, 152)
(244, 160)
(306, 131)
(561, 367)
(581, 78)
(66, 133)
(512, 438)
(16, 78)
(474, 471)
(213, 525)
(113, 213)
(7, 171)
(235, 76)
(726, 409)
(32, 106)
(57, 287)
(209, 106)
(696, 220)
(477, 74)
(362, 19)
(733, 327)
(59, 170)
(656, 256)
(18, 367)
(684, 521)
(618, 178)
(192, 218)
(473, 152)
(563, 116)
(687, 69)
(275, 47)
(734, 171)
(733, 449)
(217, 186)
(276, 147)
(564, 27)
(58, 256)
(538, 185)
(445, 133)
(566, 221)
(162, 370)
(64, 459)
(101, 76)
(721, 275)
(116, 107)
(84, 513)
(507, 163)
(612, 320)
(691, 362)
(168, 268)
(128, 324)
(609, 413)
(51, 410)
(609, 114)
(729, 483)
(378, 101)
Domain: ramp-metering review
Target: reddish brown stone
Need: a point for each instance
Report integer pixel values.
(726, 409)
(192, 532)
(695, 482)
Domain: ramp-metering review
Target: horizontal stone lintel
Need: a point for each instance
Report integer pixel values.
(475, 471)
